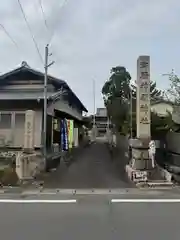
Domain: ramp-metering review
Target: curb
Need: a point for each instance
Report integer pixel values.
(11, 190)
(156, 185)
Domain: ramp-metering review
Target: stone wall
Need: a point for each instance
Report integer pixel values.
(173, 148)
(173, 142)
(29, 165)
(122, 142)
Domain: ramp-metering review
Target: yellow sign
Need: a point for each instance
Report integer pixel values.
(70, 125)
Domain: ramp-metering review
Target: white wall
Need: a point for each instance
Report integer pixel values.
(162, 109)
(15, 133)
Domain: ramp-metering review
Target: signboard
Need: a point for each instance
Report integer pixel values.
(70, 126)
(139, 176)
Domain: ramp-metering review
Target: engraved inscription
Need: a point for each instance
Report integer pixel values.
(143, 64)
(144, 97)
(144, 75)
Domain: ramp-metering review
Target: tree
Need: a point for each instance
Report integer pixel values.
(155, 93)
(116, 94)
(118, 84)
(160, 125)
(174, 90)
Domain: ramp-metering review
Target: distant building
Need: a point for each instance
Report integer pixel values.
(102, 112)
(101, 120)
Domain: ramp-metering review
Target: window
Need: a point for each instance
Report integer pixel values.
(19, 120)
(5, 120)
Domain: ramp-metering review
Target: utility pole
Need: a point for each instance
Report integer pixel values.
(46, 66)
(108, 122)
(94, 101)
(131, 112)
(170, 75)
(94, 114)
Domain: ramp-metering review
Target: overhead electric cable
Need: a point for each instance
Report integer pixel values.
(29, 28)
(43, 14)
(9, 36)
(53, 32)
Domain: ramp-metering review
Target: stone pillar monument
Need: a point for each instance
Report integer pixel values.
(140, 162)
(24, 159)
(143, 115)
(29, 131)
(143, 111)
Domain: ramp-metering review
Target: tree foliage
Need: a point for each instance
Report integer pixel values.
(116, 94)
(118, 84)
(155, 93)
(117, 97)
(174, 90)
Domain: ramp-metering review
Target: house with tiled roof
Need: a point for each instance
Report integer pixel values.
(23, 89)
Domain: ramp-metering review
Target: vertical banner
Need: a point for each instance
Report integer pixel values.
(71, 133)
(64, 135)
(68, 130)
(70, 127)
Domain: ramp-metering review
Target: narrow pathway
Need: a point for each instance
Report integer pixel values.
(93, 168)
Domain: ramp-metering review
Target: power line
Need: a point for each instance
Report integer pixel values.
(43, 14)
(53, 32)
(11, 39)
(9, 36)
(28, 26)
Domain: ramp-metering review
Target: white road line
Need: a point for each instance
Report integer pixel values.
(36, 201)
(145, 200)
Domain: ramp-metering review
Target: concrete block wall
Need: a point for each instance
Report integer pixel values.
(173, 148)
(173, 142)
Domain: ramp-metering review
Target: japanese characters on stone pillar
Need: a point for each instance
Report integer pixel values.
(29, 131)
(143, 112)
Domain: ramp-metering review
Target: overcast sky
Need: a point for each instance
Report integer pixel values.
(90, 37)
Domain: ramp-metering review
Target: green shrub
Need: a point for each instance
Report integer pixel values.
(8, 176)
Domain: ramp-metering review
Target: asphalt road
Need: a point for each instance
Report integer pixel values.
(90, 217)
(92, 168)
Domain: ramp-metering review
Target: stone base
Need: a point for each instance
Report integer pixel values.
(153, 176)
(140, 155)
(141, 164)
(165, 174)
